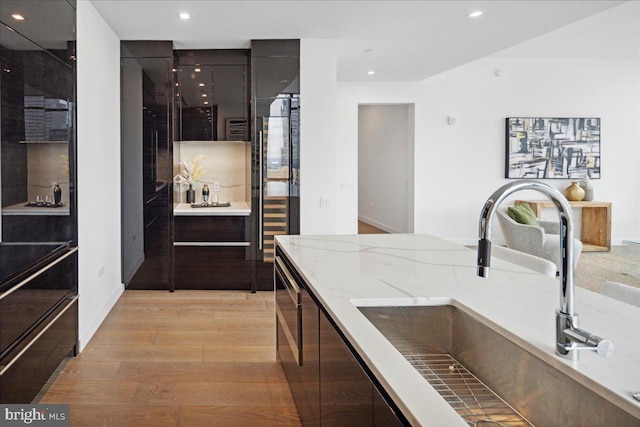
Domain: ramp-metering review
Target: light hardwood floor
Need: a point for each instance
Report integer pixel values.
(188, 358)
(364, 228)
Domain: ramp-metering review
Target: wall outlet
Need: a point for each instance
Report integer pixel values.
(101, 271)
(325, 202)
(370, 204)
(216, 186)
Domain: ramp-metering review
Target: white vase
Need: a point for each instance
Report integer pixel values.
(587, 185)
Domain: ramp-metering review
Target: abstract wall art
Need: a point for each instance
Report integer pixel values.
(560, 148)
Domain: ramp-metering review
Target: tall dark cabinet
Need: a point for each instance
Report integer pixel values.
(275, 125)
(212, 245)
(37, 115)
(38, 249)
(147, 164)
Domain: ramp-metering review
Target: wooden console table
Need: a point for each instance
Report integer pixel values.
(595, 233)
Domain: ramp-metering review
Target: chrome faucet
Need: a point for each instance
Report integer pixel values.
(569, 338)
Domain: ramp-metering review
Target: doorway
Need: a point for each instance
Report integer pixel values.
(385, 166)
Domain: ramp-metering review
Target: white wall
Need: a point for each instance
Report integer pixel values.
(98, 169)
(383, 156)
(317, 135)
(457, 167)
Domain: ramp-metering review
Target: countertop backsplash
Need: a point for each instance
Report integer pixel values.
(48, 164)
(224, 162)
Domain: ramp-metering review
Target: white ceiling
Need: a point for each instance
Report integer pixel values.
(409, 40)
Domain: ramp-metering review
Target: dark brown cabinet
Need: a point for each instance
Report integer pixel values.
(298, 342)
(346, 393)
(37, 120)
(330, 384)
(38, 324)
(147, 164)
(212, 252)
(275, 124)
(212, 100)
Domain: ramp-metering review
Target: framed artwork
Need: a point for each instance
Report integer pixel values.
(560, 148)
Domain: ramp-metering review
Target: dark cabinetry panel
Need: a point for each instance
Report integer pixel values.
(38, 320)
(304, 378)
(32, 302)
(212, 252)
(211, 229)
(213, 95)
(36, 228)
(275, 89)
(23, 378)
(147, 164)
(37, 91)
(211, 267)
(276, 76)
(383, 414)
(346, 393)
(330, 387)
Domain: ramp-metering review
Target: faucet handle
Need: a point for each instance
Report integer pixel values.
(588, 341)
(604, 348)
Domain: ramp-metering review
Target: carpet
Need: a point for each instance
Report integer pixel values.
(622, 265)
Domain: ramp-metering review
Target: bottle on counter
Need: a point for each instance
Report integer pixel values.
(191, 194)
(205, 195)
(57, 195)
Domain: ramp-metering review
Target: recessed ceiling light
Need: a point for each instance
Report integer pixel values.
(475, 14)
(197, 70)
(371, 73)
(204, 95)
(206, 102)
(17, 17)
(201, 84)
(184, 16)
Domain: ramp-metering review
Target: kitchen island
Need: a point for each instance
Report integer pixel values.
(343, 273)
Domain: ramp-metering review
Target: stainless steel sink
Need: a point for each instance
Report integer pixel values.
(486, 378)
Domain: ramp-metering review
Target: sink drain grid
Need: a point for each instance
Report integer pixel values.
(470, 397)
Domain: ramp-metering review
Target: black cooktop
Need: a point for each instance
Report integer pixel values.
(17, 258)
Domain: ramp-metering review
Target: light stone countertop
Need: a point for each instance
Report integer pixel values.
(21, 209)
(409, 269)
(240, 208)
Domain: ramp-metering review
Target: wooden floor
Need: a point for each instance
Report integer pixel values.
(364, 228)
(188, 358)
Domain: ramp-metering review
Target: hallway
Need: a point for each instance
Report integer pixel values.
(179, 359)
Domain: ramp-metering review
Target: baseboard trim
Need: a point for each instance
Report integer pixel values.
(132, 271)
(86, 335)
